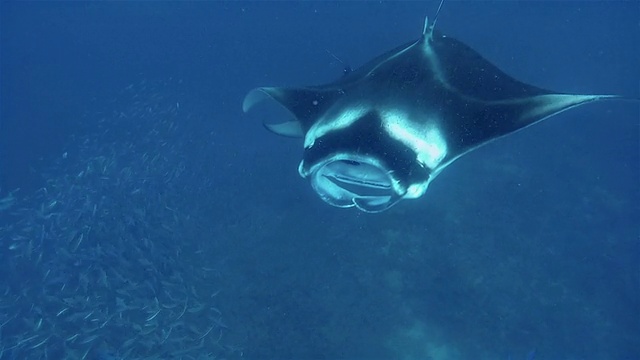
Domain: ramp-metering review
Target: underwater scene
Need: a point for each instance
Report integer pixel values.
(145, 215)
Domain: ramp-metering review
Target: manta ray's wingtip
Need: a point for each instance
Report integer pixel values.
(255, 96)
(586, 98)
(543, 106)
(623, 98)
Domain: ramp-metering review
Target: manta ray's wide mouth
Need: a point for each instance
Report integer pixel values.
(346, 182)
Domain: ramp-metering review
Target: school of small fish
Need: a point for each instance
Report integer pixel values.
(103, 261)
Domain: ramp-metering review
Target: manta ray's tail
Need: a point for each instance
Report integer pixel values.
(427, 30)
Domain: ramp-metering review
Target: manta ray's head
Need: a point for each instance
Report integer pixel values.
(358, 159)
(364, 156)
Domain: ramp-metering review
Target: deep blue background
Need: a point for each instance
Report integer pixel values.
(559, 199)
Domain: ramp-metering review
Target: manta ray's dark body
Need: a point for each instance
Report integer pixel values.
(383, 132)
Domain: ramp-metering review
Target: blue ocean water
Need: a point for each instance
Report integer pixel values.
(155, 220)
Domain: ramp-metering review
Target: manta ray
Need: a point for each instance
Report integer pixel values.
(383, 132)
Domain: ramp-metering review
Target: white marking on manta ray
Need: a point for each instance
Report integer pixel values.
(343, 120)
(415, 191)
(425, 140)
(431, 56)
